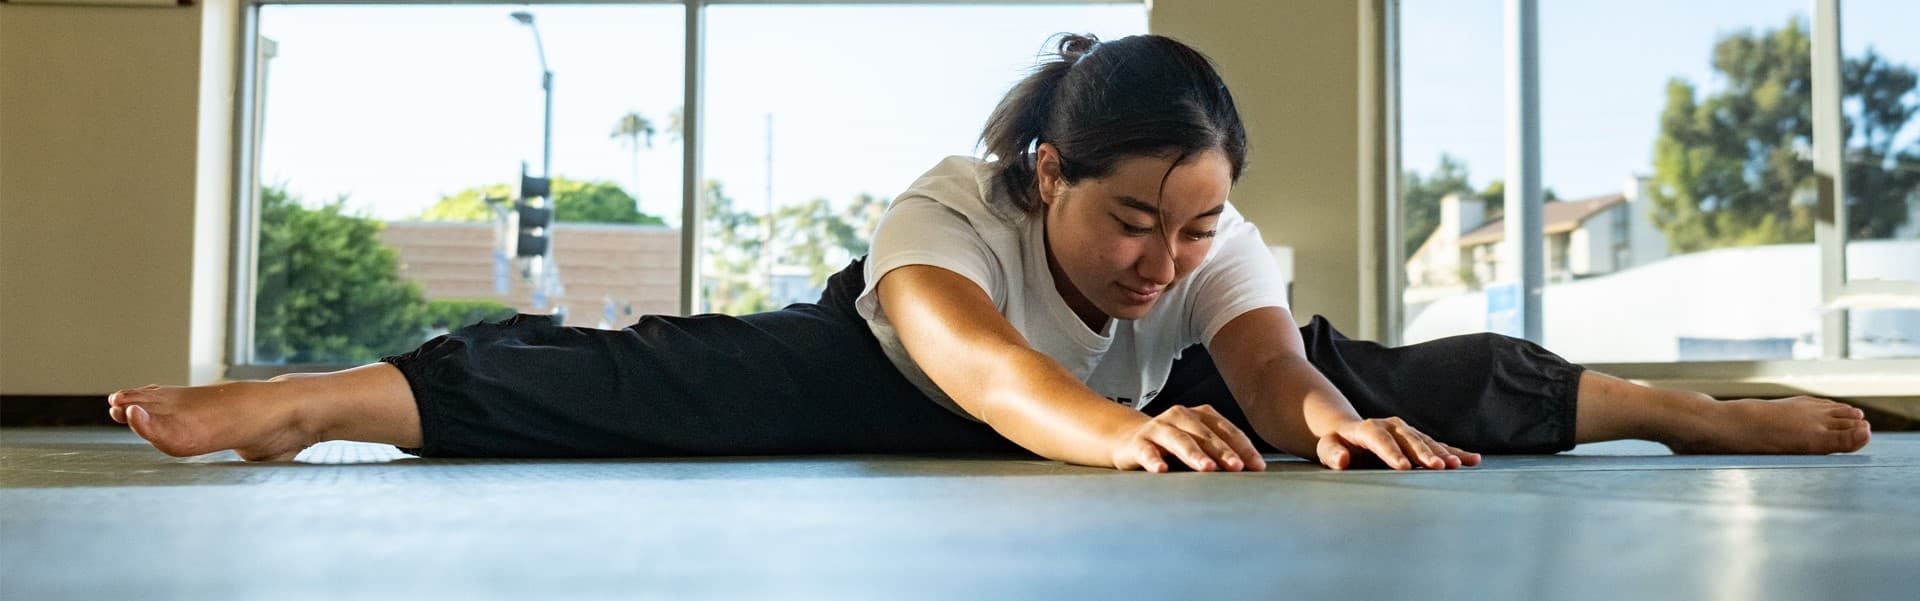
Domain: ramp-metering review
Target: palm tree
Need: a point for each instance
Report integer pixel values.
(675, 121)
(632, 130)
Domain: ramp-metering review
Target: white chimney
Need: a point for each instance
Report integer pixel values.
(1461, 214)
(1648, 243)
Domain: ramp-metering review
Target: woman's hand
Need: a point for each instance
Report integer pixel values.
(1394, 442)
(1199, 437)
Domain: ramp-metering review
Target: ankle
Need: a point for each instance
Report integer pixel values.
(304, 414)
(1684, 417)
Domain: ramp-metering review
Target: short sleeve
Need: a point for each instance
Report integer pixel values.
(1240, 277)
(919, 231)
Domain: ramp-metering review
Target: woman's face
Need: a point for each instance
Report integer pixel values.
(1116, 243)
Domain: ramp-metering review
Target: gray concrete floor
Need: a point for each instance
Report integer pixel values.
(96, 514)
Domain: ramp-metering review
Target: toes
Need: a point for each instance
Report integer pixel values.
(129, 395)
(119, 414)
(1851, 439)
(1846, 411)
(143, 424)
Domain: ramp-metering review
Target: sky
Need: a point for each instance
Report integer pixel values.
(396, 106)
(1604, 67)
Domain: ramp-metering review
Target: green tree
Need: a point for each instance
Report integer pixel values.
(731, 250)
(814, 235)
(328, 290)
(1881, 179)
(1729, 167)
(1494, 198)
(573, 201)
(1420, 198)
(449, 314)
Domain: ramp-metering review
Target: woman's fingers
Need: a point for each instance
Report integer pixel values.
(1236, 438)
(1333, 453)
(1146, 456)
(1374, 437)
(1399, 445)
(1182, 445)
(1140, 454)
(1420, 446)
(1208, 435)
(1466, 458)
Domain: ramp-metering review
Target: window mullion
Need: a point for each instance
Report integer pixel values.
(1829, 153)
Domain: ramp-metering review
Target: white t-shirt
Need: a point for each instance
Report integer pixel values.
(944, 220)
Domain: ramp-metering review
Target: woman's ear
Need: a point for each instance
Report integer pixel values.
(1047, 173)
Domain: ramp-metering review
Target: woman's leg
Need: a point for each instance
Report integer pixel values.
(1497, 394)
(273, 420)
(1689, 422)
(807, 379)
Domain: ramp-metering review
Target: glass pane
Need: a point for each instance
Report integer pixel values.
(1678, 221)
(383, 131)
(820, 126)
(1882, 172)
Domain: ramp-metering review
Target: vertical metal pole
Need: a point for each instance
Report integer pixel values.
(250, 112)
(546, 139)
(1830, 175)
(1381, 251)
(1392, 290)
(549, 269)
(1524, 258)
(691, 186)
(767, 248)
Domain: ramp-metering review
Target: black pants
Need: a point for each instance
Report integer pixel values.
(812, 379)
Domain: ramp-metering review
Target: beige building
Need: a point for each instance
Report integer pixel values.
(1584, 238)
(623, 270)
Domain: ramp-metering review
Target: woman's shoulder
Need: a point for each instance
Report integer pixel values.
(964, 185)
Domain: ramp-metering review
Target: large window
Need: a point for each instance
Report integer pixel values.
(387, 146)
(390, 144)
(820, 126)
(1676, 159)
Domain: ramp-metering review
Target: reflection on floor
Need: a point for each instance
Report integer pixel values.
(96, 514)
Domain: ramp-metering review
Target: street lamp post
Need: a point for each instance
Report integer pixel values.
(546, 84)
(546, 273)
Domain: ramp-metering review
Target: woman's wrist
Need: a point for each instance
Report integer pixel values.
(1326, 411)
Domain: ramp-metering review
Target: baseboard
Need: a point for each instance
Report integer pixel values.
(53, 410)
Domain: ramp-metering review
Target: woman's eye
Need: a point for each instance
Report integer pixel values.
(1198, 236)
(1132, 230)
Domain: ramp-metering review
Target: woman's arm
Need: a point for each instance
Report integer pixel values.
(952, 330)
(1294, 408)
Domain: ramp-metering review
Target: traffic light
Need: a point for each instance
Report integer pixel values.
(533, 187)
(535, 228)
(533, 216)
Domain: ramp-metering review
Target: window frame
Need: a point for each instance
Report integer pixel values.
(1833, 374)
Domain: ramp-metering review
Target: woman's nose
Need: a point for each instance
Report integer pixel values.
(1156, 266)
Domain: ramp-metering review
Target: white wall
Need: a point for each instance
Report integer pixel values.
(113, 200)
(1735, 293)
(1294, 71)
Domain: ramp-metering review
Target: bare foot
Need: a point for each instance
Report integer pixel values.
(248, 417)
(1800, 425)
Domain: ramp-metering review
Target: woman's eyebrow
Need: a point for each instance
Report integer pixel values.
(1141, 206)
